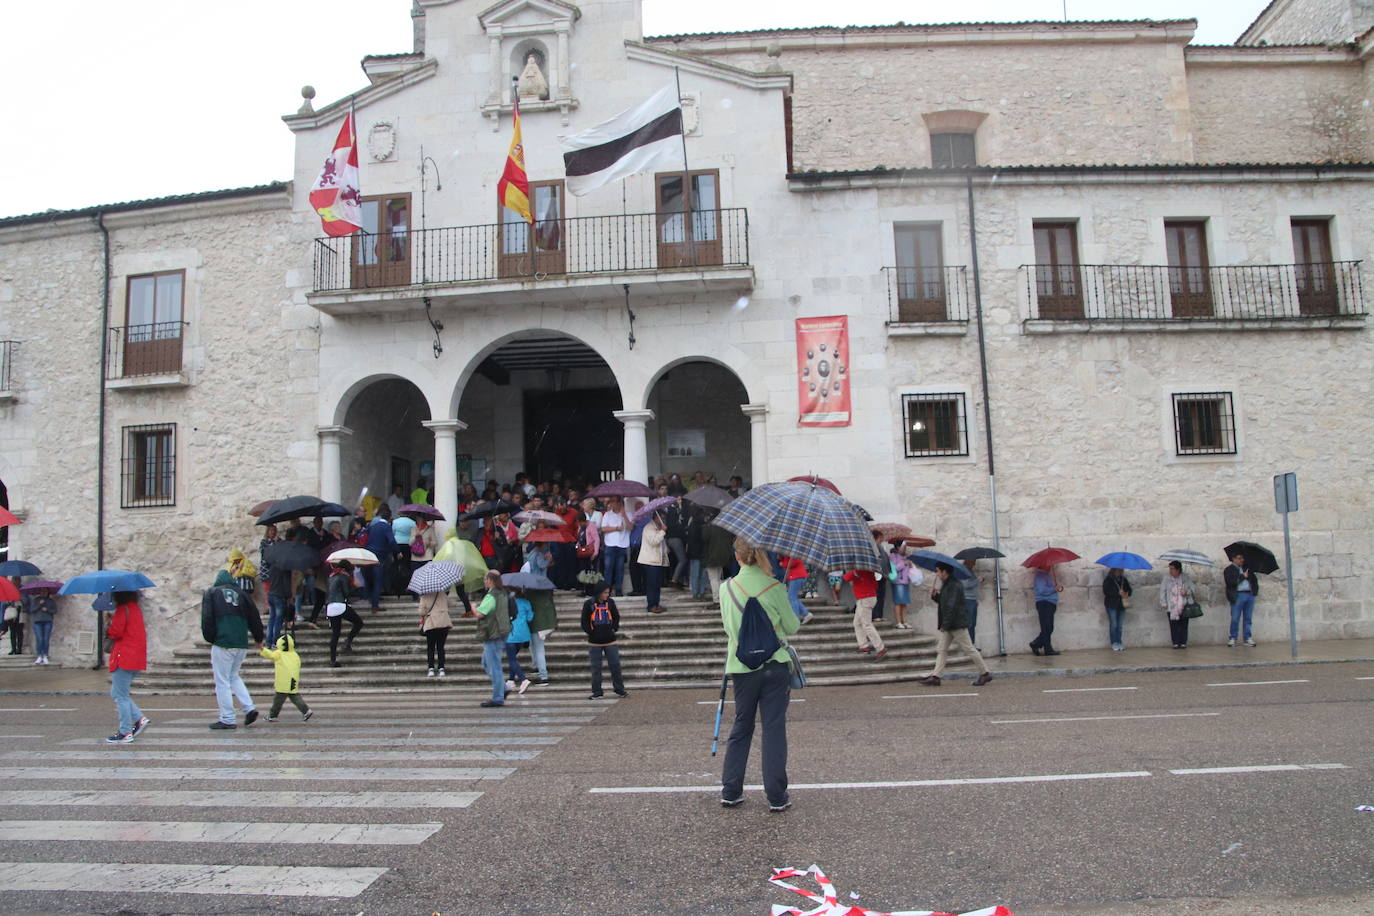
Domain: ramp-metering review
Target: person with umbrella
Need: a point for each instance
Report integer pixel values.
(1242, 587)
(717, 552)
(227, 617)
(1116, 593)
(1047, 590)
(435, 624)
(128, 654)
(653, 557)
(336, 610)
(1175, 593)
(952, 622)
(865, 583)
(14, 620)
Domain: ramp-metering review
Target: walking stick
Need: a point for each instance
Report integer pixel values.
(720, 709)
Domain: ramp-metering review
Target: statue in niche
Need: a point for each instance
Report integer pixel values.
(532, 84)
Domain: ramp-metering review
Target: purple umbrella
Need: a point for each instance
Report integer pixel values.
(40, 585)
(419, 510)
(652, 506)
(622, 488)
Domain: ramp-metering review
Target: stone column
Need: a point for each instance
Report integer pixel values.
(758, 442)
(564, 66)
(331, 464)
(636, 450)
(497, 85)
(445, 469)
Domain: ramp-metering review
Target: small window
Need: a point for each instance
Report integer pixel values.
(149, 466)
(1204, 423)
(953, 151)
(934, 424)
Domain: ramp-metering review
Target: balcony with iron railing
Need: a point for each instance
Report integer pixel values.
(7, 352)
(145, 355)
(927, 300)
(1151, 296)
(559, 259)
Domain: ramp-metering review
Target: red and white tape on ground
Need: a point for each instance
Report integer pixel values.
(828, 904)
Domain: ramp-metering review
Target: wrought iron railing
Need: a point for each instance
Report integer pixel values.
(1131, 292)
(548, 248)
(7, 351)
(145, 349)
(917, 294)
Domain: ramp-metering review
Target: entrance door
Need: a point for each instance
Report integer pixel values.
(527, 249)
(152, 332)
(1314, 271)
(689, 219)
(1058, 288)
(381, 251)
(1190, 282)
(573, 433)
(920, 273)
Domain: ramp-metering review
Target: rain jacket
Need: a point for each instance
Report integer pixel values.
(130, 650)
(719, 547)
(227, 615)
(953, 608)
(652, 550)
(287, 664)
(545, 611)
(460, 550)
(520, 625)
(434, 612)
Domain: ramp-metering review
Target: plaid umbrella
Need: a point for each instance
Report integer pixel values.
(1196, 557)
(623, 488)
(435, 576)
(710, 496)
(420, 510)
(652, 506)
(818, 481)
(804, 521)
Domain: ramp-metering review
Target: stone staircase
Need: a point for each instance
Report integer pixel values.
(684, 647)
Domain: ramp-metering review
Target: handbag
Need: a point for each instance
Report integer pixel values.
(794, 669)
(1125, 601)
(1192, 609)
(417, 548)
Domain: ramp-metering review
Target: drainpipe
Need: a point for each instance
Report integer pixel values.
(100, 443)
(987, 410)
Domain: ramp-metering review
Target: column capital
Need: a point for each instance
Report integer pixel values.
(332, 433)
(755, 412)
(632, 418)
(444, 427)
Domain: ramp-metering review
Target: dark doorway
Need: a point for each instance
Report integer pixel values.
(572, 433)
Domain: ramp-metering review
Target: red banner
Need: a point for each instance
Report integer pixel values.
(823, 371)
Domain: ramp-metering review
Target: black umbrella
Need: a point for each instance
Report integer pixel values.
(1260, 559)
(490, 508)
(979, 553)
(292, 555)
(301, 507)
(19, 568)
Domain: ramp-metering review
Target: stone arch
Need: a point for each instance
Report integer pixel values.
(389, 444)
(480, 356)
(338, 396)
(698, 422)
(667, 367)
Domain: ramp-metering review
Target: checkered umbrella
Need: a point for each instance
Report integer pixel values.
(804, 521)
(435, 576)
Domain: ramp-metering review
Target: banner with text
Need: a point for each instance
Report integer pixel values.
(823, 371)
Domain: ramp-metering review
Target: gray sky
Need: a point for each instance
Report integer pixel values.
(114, 100)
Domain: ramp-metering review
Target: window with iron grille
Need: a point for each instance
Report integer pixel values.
(148, 466)
(934, 424)
(953, 151)
(1204, 423)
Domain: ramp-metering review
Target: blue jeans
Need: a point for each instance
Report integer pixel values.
(129, 713)
(653, 585)
(276, 615)
(972, 605)
(517, 673)
(761, 694)
(794, 590)
(1244, 605)
(679, 551)
(1114, 618)
(537, 653)
(42, 632)
(229, 685)
(701, 585)
(372, 585)
(614, 567)
(492, 650)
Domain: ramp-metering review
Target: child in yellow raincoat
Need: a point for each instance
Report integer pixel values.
(288, 677)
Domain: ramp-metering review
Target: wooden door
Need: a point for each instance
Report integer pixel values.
(1190, 280)
(1058, 285)
(152, 326)
(1314, 271)
(689, 219)
(381, 249)
(920, 273)
(526, 249)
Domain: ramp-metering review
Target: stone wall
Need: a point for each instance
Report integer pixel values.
(1300, 22)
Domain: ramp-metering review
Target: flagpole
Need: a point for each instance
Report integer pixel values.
(688, 198)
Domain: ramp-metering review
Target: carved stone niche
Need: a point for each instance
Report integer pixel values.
(528, 43)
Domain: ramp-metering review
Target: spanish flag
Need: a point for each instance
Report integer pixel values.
(513, 190)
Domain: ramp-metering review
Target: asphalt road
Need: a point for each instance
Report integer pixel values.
(1138, 793)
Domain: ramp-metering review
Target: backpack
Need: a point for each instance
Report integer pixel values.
(757, 641)
(601, 614)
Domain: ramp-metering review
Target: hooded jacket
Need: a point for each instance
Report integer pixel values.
(228, 615)
(287, 662)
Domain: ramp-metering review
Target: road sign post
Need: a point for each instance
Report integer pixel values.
(1286, 501)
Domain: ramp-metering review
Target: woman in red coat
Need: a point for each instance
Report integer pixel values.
(128, 656)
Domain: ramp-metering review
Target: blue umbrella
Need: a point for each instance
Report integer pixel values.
(929, 559)
(19, 568)
(107, 580)
(1124, 559)
(527, 580)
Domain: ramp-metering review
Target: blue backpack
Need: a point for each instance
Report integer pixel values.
(757, 641)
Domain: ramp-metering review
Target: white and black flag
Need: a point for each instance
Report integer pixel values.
(641, 138)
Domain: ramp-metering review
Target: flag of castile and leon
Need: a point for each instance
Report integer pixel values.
(335, 195)
(513, 190)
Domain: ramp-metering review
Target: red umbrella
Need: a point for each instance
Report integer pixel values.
(818, 481)
(1050, 556)
(550, 536)
(8, 590)
(622, 488)
(8, 518)
(261, 507)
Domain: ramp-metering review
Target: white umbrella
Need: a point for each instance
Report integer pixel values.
(358, 556)
(1196, 557)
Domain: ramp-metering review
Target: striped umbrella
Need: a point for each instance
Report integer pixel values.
(804, 521)
(1196, 557)
(435, 576)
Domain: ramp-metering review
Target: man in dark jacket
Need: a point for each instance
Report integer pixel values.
(228, 617)
(600, 621)
(952, 621)
(717, 552)
(381, 542)
(1241, 589)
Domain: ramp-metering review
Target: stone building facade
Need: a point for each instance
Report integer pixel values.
(1121, 271)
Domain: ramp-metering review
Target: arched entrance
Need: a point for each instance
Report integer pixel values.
(698, 424)
(389, 446)
(540, 403)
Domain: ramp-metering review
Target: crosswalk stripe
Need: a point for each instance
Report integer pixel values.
(218, 832)
(107, 877)
(391, 721)
(195, 739)
(177, 798)
(361, 774)
(249, 756)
